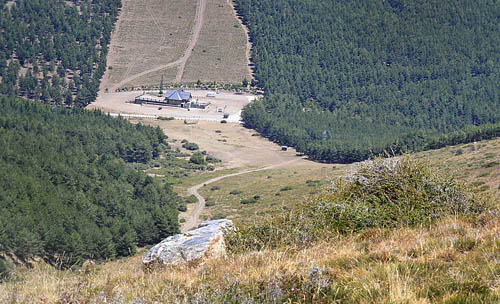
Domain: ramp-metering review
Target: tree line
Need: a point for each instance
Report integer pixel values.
(53, 50)
(68, 190)
(346, 79)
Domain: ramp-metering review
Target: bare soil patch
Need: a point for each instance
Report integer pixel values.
(224, 102)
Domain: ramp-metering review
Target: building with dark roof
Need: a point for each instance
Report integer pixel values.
(177, 97)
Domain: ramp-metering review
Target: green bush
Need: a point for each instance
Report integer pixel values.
(191, 199)
(212, 159)
(182, 208)
(190, 146)
(197, 159)
(384, 193)
(235, 192)
(209, 203)
(214, 188)
(286, 188)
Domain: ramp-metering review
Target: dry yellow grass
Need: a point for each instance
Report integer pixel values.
(277, 188)
(220, 54)
(453, 261)
(453, 258)
(476, 163)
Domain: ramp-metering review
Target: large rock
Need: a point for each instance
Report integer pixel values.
(191, 247)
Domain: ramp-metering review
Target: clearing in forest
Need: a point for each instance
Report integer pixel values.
(183, 41)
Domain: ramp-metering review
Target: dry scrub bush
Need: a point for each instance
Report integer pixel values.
(385, 193)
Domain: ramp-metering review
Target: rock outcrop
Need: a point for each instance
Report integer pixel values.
(192, 247)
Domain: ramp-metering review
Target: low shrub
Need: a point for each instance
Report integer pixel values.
(286, 188)
(190, 146)
(235, 192)
(209, 203)
(197, 158)
(182, 208)
(248, 201)
(384, 193)
(165, 118)
(214, 188)
(191, 199)
(212, 159)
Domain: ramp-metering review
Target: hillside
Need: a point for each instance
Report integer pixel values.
(69, 188)
(344, 79)
(55, 51)
(177, 40)
(450, 257)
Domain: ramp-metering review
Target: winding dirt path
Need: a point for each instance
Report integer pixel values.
(181, 62)
(194, 39)
(193, 219)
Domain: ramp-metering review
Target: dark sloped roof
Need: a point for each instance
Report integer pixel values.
(177, 95)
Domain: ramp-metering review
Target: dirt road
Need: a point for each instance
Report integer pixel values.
(181, 62)
(194, 39)
(193, 219)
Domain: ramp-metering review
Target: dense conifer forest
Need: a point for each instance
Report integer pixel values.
(68, 190)
(345, 79)
(54, 50)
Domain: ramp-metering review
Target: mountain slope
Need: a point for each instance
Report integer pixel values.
(68, 191)
(347, 78)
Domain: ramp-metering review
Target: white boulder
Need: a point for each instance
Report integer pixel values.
(191, 247)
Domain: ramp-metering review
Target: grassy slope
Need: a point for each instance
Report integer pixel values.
(278, 188)
(449, 261)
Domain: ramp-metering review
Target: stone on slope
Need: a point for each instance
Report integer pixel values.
(192, 246)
